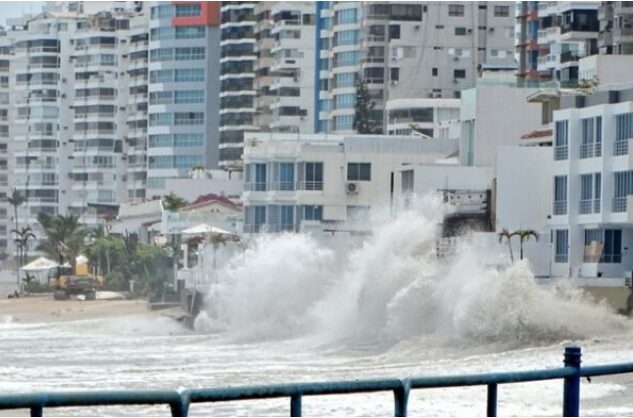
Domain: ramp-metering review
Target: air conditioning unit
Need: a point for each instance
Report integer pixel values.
(351, 188)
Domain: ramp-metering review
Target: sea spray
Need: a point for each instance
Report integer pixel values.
(392, 288)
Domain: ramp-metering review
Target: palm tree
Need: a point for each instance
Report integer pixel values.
(16, 200)
(525, 235)
(508, 236)
(62, 232)
(22, 237)
(172, 202)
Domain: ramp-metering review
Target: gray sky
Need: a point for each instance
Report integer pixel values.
(9, 9)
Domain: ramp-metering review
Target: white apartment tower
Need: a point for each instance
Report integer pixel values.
(404, 50)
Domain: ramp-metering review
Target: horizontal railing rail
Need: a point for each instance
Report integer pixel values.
(179, 402)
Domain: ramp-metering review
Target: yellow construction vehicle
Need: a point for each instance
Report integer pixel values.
(65, 282)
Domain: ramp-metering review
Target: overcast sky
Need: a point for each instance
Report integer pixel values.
(9, 9)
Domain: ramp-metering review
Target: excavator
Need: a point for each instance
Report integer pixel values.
(67, 282)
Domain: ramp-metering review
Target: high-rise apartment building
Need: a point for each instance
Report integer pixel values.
(6, 212)
(404, 50)
(553, 37)
(184, 51)
(616, 27)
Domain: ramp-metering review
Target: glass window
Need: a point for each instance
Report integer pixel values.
(347, 37)
(560, 195)
(160, 141)
(286, 176)
(189, 96)
(161, 161)
(455, 10)
(346, 79)
(189, 32)
(188, 54)
(562, 245)
(160, 97)
(190, 75)
(502, 11)
(312, 212)
(346, 16)
(188, 140)
(313, 176)
(358, 171)
(161, 76)
(188, 161)
(345, 100)
(189, 118)
(160, 119)
(161, 54)
(187, 10)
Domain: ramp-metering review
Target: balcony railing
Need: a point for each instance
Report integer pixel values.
(283, 185)
(258, 186)
(587, 150)
(585, 206)
(560, 207)
(561, 153)
(596, 206)
(621, 147)
(310, 185)
(619, 204)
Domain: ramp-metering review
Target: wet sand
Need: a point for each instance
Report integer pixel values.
(43, 308)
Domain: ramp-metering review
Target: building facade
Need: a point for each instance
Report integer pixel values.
(404, 50)
(184, 53)
(338, 181)
(616, 27)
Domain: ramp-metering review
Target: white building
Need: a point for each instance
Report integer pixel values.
(404, 50)
(341, 181)
(592, 182)
(423, 117)
(184, 61)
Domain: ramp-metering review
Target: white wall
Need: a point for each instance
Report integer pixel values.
(524, 198)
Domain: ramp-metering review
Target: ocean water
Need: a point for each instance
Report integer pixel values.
(290, 309)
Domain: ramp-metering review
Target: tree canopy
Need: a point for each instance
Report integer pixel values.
(364, 118)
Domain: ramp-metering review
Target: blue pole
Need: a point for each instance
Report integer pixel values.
(37, 411)
(180, 408)
(491, 409)
(571, 388)
(295, 405)
(401, 399)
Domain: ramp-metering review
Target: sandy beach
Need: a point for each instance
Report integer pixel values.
(43, 308)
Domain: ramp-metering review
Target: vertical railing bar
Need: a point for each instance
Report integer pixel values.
(491, 406)
(295, 405)
(180, 407)
(571, 385)
(401, 399)
(37, 411)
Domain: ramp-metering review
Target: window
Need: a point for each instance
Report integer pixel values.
(163, 33)
(560, 195)
(623, 186)
(284, 176)
(623, 132)
(190, 75)
(313, 176)
(358, 171)
(560, 146)
(343, 123)
(346, 58)
(394, 32)
(358, 214)
(344, 101)
(347, 37)
(160, 97)
(189, 32)
(459, 74)
(164, 11)
(161, 54)
(562, 245)
(160, 141)
(188, 140)
(434, 72)
(161, 161)
(160, 119)
(312, 212)
(395, 74)
(502, 11)
(346, 16)
(603, 246)
(258, 174)
(460, 31)
(455, 10)
(187, 10)
(346, 79)
(189, 118)
(161, 76)
(188, 54)
(286, 221)
(189, 96)
(407, 181)
(188, 161)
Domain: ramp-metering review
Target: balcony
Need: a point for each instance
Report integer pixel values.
(585, 207)
(591, 150)
(621, 147)
(560, 207)
(619, 205)
(569, 56)
(310, 185)
(257, 186)
(561, 153)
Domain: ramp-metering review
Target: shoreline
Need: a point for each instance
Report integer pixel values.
(43, 308)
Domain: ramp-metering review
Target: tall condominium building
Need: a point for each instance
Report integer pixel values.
(6, 211)
(237, 80)
(553, 37)
(616, 27)
(404, 50)
(183, 110)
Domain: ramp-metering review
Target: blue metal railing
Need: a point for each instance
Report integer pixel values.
(179, 402)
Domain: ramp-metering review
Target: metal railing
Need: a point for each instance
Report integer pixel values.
(585, 206)
(561, 153)
(179, 401)
(560, 207)
(621, 147)
(619, 204)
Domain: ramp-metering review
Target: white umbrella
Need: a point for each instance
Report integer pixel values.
(40, 264)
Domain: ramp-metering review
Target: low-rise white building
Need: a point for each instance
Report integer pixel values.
(339, 180)
(422, 117)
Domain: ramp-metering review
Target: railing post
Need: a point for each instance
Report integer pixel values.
(491, 406)
(180, 408)
(571, 388)
(401, 399)
(295, 405)
(37, 411)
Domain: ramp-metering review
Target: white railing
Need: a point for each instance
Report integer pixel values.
(619, 204)
(621, 147)
(586, 150)
(585, 206)
(561, 153)
(310, 185)
(560, 207)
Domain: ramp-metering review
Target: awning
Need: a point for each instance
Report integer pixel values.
(205, 229)
(40, 264)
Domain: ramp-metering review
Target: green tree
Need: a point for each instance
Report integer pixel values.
(364, 119)
(172, 202)
(525, 235)
(63, 234)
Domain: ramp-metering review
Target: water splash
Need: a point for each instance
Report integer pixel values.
(393, 288)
